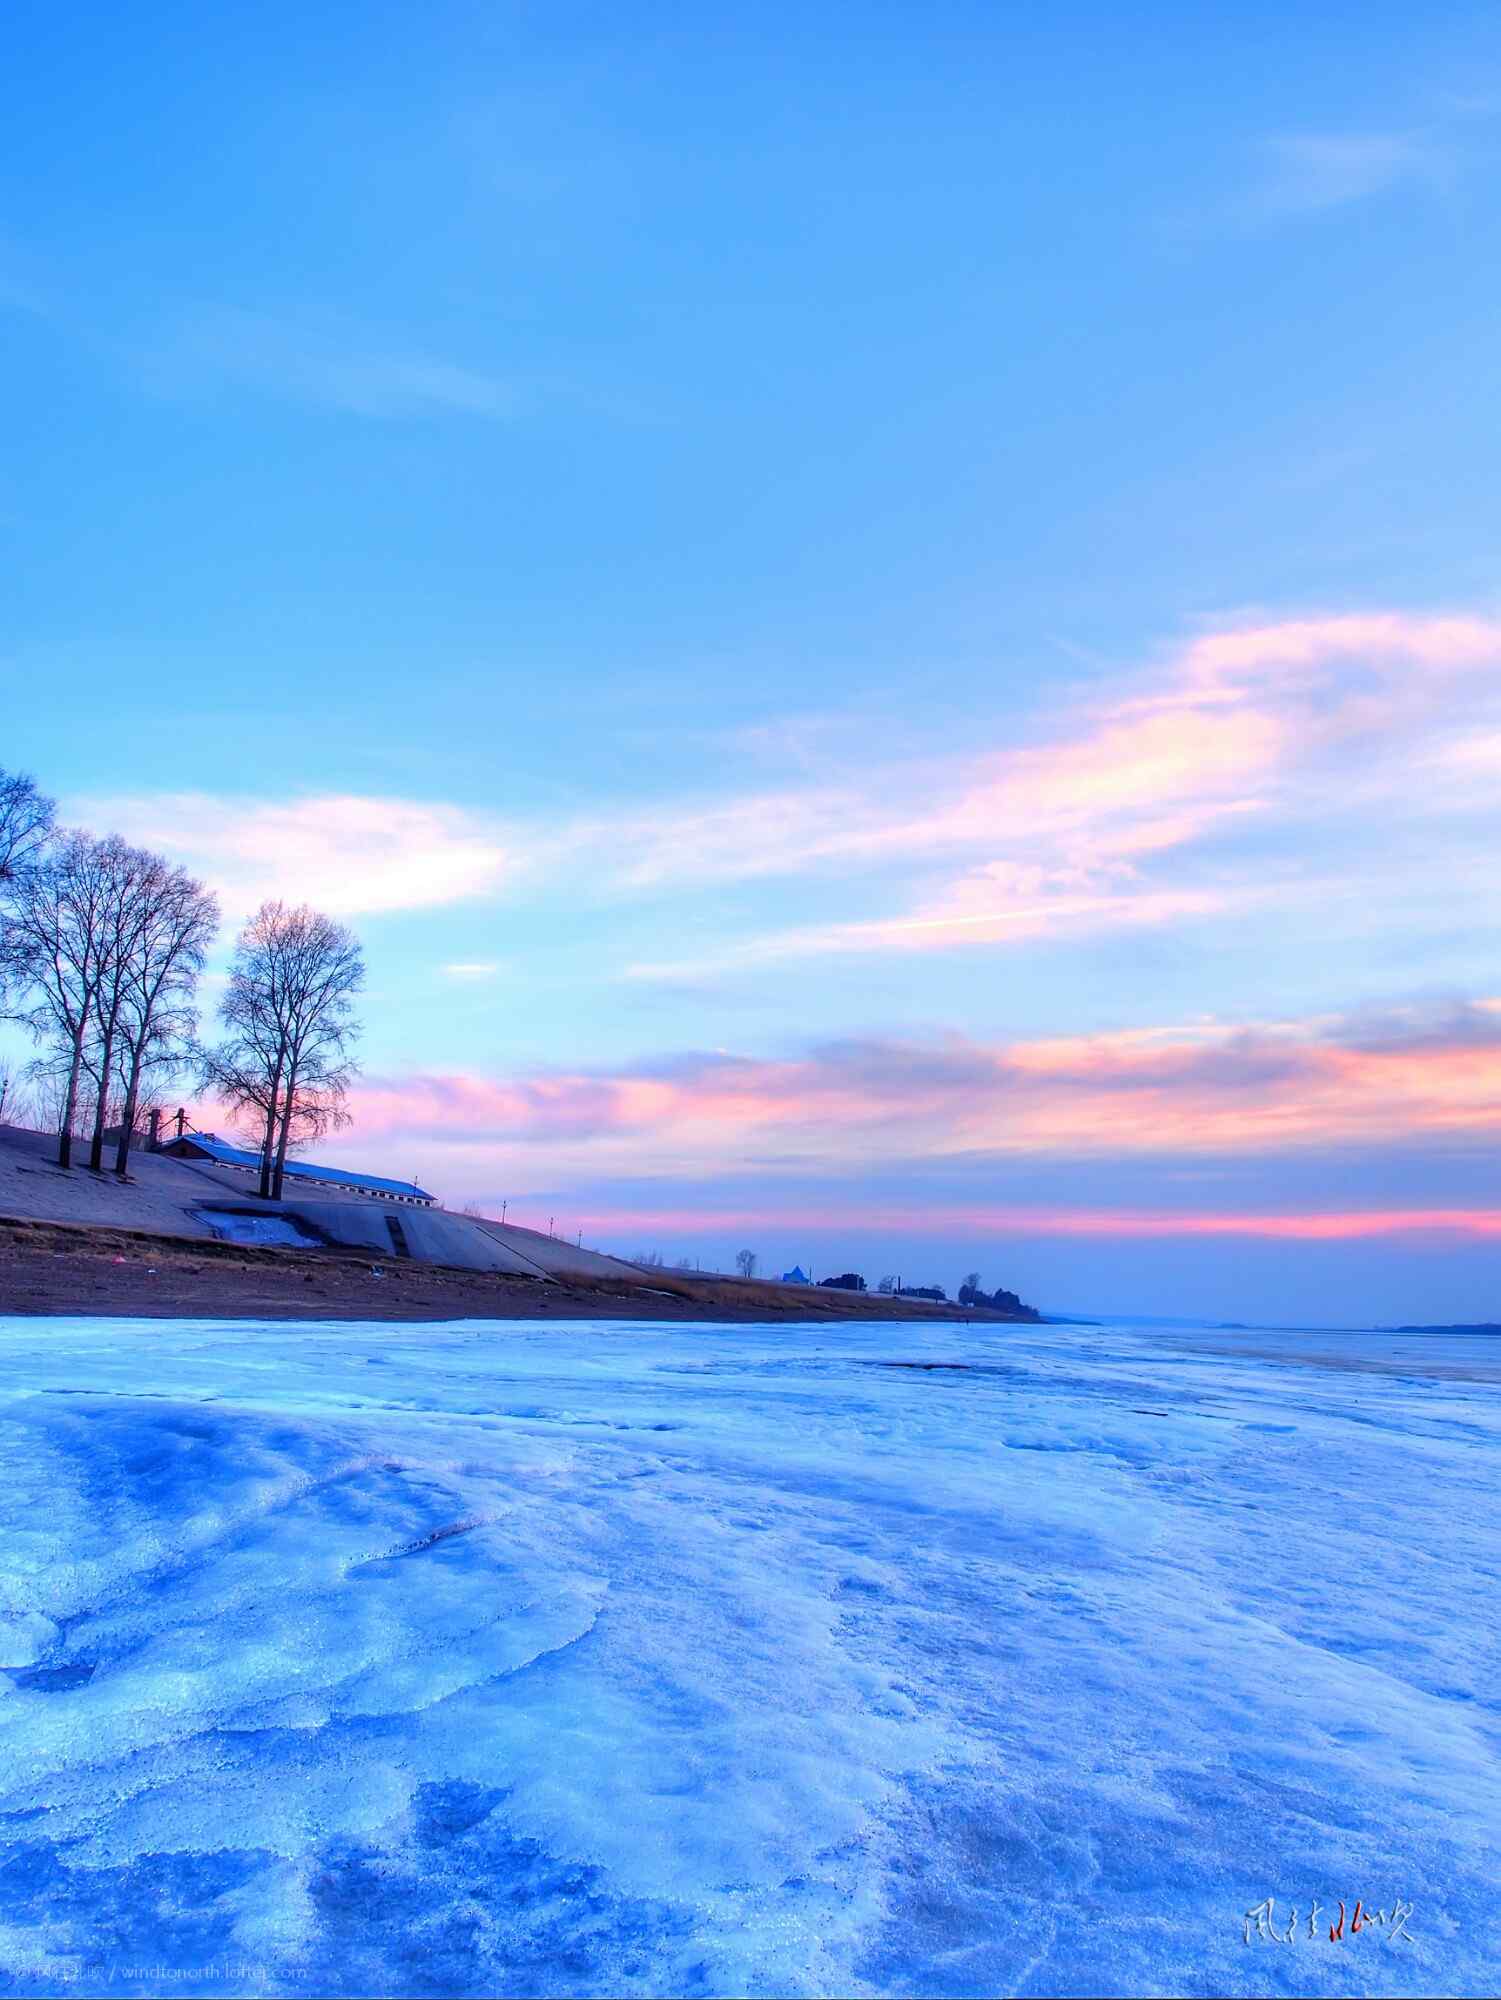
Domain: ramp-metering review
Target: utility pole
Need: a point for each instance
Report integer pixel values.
(503, 1207)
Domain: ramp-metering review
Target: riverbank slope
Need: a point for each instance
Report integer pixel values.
(53, 1268)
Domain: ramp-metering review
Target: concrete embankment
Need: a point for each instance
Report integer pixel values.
(201, 1200)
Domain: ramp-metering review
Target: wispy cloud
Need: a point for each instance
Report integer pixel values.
(308, 355)
(1008, 912)
(313, 359)
(1164, 799)
(1254, 727)
(471, 971)
(349, 855)
(1311, 173)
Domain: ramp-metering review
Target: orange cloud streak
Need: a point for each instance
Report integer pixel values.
(969, 1221)
(1198, 1089)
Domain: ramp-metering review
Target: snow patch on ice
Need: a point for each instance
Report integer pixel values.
(232, 1225)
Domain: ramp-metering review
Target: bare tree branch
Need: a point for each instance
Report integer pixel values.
(26, 824)
(26, 821)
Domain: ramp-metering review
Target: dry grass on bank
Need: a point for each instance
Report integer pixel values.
(55, 1268)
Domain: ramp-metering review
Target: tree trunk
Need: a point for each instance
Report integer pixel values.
(101, 1106)
(284, 1136)
(70, 1104)
(128, 1113)
(268, 1151)
(268, 1144)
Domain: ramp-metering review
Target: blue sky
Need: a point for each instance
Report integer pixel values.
(751, 557)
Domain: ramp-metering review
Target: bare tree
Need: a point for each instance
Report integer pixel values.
(58, 939)
(86, 935)
(26, 820)
(133, 879)
(157, 1020)
(289, 1012)
(246, 1068)
(745, 1263)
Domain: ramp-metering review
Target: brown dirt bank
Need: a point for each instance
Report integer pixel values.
(54, 1268)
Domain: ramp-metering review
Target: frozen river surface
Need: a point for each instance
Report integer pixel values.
(509, 1659)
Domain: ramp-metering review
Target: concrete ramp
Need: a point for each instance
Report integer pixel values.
(558, 1258)
(471, 1243)
(431, 1235)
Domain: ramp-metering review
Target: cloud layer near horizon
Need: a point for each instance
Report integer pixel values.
(1195, 1093)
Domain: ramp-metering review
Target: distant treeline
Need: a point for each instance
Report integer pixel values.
(1000, 1300)
(970, 1292)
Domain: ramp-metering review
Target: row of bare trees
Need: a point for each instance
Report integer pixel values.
(102, 946)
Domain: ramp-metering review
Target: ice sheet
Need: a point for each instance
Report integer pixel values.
(577, 1659)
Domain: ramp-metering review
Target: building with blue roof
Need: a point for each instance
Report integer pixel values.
(219, 1152)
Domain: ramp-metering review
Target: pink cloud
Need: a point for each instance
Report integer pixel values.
(1116, 811)
(1206, 1088)
(1090, 828)
(1226, 659)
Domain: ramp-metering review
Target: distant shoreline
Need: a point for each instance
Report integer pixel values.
(1472, 1326)
(61, 1270)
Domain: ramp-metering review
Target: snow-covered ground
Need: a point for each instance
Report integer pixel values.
(588, 1659)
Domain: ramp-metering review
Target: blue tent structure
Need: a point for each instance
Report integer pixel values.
(796, 1276)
